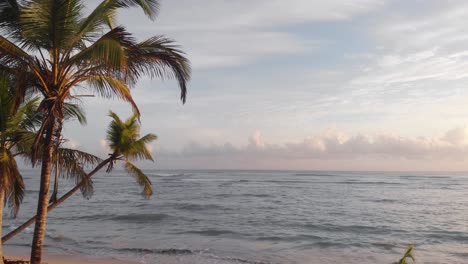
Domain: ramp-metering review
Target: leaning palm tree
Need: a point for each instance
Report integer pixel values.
(54, 49)
(126, 145)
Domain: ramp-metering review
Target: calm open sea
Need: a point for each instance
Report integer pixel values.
(261, 217)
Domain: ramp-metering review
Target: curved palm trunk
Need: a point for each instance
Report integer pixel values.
(57, 203)
(43, 200)
(2, 202)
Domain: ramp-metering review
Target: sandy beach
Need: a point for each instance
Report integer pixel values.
(73, 259)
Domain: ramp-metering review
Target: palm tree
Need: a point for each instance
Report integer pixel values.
(13, 133)
(54, 49)
(126, 145)
(17, 125)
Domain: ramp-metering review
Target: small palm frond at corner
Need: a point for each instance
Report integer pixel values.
(408, 255)
(140, 178)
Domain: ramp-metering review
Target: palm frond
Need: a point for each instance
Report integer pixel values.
(123, 138)
(16, 195)
(408, 255)
(23, 147)
(9, 13)
(11, 53)
(159, 57)
(150, 7)
(86, 184)
(23, 83)
(76, 157)
(74, 111)
(11, 181)
(108, 51)
(140, 178)
(109, 87)
(114, 132)
(138, 149)
(27, 117)
(71, 164)
(115, 118)
(105, 15)
(49, 24)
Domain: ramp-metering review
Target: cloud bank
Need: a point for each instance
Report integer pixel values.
(334, 148)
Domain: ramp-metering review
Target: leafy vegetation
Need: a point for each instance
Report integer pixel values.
(18, 125)
(126, 145)
(51, 48)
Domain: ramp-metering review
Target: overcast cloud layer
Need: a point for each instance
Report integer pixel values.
(300, 84)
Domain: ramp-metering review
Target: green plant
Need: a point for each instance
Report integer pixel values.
(408, 255)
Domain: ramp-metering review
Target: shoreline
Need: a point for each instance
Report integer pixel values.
(72, 259)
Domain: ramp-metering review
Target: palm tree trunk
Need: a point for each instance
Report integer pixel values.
(53, 198)
(57, 203)
(43, 200)
(58, 137)
(2, 199)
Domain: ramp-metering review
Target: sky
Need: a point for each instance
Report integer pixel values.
(303, 85)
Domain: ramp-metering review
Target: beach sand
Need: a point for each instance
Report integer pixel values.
(68, 259)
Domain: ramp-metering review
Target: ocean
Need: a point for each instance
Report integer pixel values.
(260, 217)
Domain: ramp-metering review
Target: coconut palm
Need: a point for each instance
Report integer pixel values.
(13, 134)
(126, 145)
(17, 125)
(54, 49)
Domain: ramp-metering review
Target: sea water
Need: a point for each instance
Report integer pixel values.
(260, 217)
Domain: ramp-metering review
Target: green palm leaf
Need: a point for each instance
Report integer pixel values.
(109, 87)
(15, 193)
(140, 178)
(159, 57)
(108, 51)
(74, 111)
(408, 255)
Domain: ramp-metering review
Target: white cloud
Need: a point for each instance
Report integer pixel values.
(230, 33)
(226, 15)
(209, 49)
(256, 141)
(104, 146)
(457, 136)
(416, 49)
(336, 145)
(409, 76)
(71, 143)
